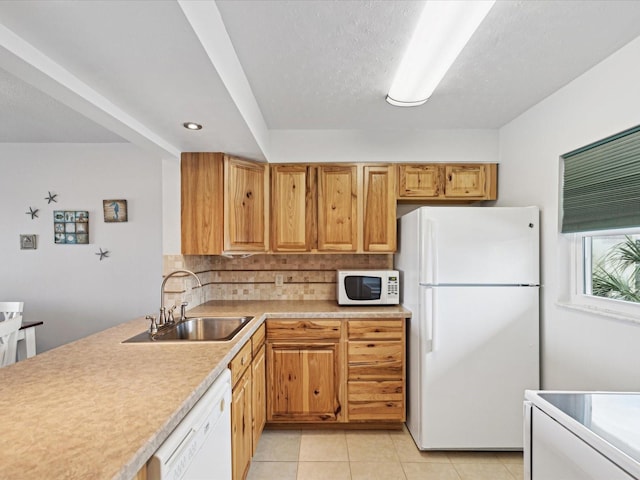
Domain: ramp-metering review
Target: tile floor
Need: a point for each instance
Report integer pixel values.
(371, 455)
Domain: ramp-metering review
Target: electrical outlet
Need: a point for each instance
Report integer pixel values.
(279, 280)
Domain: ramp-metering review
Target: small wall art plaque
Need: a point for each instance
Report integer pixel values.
(28, 242)
(115, 210)
(71, 226)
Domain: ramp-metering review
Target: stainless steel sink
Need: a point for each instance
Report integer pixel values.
(197, 329)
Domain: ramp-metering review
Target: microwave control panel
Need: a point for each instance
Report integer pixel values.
(393, 293)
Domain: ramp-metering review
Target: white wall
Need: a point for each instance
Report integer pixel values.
(580, 351)
(383, 146)
(67, 286)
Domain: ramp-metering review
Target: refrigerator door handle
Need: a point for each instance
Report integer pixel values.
(528, 431)
(428, 252)
(428, 302)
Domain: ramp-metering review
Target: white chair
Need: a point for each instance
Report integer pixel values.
(10, 309)
(9, 339)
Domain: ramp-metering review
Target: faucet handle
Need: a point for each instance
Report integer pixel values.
(170, 319)
(183, 311)
(153, 329)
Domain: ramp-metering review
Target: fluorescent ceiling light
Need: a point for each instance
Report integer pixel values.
(443, 30)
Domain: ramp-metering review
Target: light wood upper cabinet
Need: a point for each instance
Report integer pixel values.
(337, 208)
(419, 181)
(447, 182)
(224, 204)
(246, 208)
(469, 181)
(379, 208)
(293, 208)
(201, 203)
(333, 208)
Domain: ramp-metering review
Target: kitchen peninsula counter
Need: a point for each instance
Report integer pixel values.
(99, 408)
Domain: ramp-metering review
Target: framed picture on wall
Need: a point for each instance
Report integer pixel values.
(114, 210)
(71, 227)
(28, 242)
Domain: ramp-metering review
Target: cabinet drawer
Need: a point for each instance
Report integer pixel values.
(303, 329)
(240, 363)
(391, 329)
(257, 339)
(375, 360)
(382, 400)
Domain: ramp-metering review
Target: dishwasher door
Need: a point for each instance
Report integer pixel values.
(200, 446)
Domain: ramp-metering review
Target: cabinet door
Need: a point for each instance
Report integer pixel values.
(245, 206)
(464, 181)
(304, 382)
(259, 404)
(419, 181)
(241, 432)
(201, 203)
(337, 208)
(379, 209)
(293, 216)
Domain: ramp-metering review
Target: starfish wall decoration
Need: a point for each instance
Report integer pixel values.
(51, 198)
(103, 254)
(33, 212)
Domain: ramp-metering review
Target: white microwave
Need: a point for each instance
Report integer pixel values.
(368, 287)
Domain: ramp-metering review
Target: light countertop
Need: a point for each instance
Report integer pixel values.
(97, 408)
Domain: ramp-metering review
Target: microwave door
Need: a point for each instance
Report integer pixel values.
(360, 287)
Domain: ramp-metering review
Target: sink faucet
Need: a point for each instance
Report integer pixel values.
(163, 311)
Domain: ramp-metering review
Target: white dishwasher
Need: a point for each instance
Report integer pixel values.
(200, 446)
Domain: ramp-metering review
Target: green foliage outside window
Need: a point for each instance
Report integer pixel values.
(616, 274)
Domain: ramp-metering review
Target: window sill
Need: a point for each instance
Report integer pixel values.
(626, 317)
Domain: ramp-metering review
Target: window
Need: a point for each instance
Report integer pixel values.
(612, 266)
(601, 211)
(602, 280)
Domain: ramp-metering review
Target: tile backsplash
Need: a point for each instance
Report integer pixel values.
(305, 277)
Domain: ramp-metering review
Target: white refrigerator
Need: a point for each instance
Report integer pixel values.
(470, 276)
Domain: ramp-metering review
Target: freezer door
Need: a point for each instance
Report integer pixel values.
(482, 354)
(462, 245)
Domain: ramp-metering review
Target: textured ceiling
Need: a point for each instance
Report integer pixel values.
(25, 109)
(145, 67)
(329, 64)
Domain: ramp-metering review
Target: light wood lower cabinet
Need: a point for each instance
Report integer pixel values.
(259, 394)
(248, 402)
(335, 371)
(305, 382)
(304, 370)
(376, 370)
(241, 434)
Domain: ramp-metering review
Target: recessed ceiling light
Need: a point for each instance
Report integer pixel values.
(192, 126)
(443, 30)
